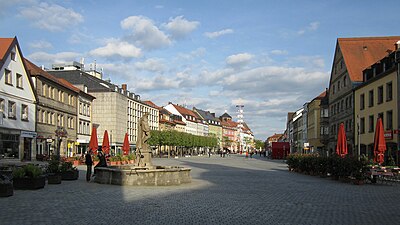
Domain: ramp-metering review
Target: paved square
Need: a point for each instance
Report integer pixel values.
(230, 190)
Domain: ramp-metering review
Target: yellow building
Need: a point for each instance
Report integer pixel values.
(315, 127)
(377, 97)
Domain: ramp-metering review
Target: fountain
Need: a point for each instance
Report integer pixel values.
(143, 173)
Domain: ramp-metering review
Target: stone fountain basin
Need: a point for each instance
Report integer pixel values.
(143, 176)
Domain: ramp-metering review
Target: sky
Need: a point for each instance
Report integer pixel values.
(270, 56)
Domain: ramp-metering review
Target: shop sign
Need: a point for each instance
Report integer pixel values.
(28, 134)
(388, 135)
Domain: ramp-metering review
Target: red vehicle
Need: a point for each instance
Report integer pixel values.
(279, 150)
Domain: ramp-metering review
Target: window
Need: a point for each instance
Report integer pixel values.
(8, 76)
(362, 125)
(13, 56)
(371, 124)
(24, 112)
(53, 93)
(371, 98)
(347, 103)
(333, 89)
(389, 120)
(389, 93)
(2, 107)
(380, 94)
(344, 81)
(341, 105)
(380, 115)
(80, 107)
(12, 110)
(49, 118)
(49, 91)
(19, 80)
(44, 89)
(338, 86)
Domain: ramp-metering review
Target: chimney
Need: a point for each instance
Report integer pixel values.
(124, 87)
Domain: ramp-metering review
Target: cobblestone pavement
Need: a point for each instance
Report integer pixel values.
(230, 190)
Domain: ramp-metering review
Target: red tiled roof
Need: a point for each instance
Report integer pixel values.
(322, 95)
(184, 111)
(229, 124)
(180, 122)
(5, 44)
(36, 71)
(360, 53)
(150, 103)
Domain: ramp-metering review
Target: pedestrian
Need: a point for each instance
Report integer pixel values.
(102, 161)
(89, 164)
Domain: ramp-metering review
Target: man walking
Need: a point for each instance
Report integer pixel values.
(89, 163)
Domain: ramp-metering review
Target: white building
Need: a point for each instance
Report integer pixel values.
(17, 104)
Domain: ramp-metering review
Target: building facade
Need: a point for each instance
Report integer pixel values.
(56, 113)
(314, 128)
(352, 56)
(17, 104)
(114, 108)
(377, 98)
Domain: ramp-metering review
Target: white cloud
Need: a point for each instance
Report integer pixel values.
(180, 27)
(42, 44)
(152, 65)
(218, 33)
(145, 33)
(45, 58)
(117, 48)
(239, 60)
(313, 26)
(51, 17)
(279, 52)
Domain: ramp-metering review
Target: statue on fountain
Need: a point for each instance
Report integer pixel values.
(142, 147)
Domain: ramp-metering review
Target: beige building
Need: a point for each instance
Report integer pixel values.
(377, 97)
(56, 113)
(115, 109)
(352, 56)
(314, 128)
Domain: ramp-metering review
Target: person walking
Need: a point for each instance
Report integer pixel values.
(89, 164)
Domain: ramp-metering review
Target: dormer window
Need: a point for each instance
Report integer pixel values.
(13, 56)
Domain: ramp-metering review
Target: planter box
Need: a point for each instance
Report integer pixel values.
(54, 179)
(75, 163)
(70, 175)
(6, 189)
(27, 183)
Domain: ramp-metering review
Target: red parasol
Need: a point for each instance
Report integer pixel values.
(341, 147)
(93, 144)
(106, 143)
(379, 143)
(125, 146)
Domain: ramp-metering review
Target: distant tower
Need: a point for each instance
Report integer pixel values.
(240, 124)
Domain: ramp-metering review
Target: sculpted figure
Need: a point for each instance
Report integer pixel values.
(144, 132)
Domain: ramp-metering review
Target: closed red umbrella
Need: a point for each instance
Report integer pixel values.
(93, 144)
(379, 143)
(341, 146)
(106, 143)
(125, 146)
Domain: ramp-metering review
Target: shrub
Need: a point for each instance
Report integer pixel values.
(29, 170)
(67, 166)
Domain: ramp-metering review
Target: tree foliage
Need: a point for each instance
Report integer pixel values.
(180, 139)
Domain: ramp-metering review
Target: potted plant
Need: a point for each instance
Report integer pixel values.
(54, 172)
(6, 186)
(69, 172)
(131, 158)
(28, 177)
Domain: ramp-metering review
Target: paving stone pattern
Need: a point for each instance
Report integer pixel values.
(230, 190)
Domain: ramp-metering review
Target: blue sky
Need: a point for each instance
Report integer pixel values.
(270, 56)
